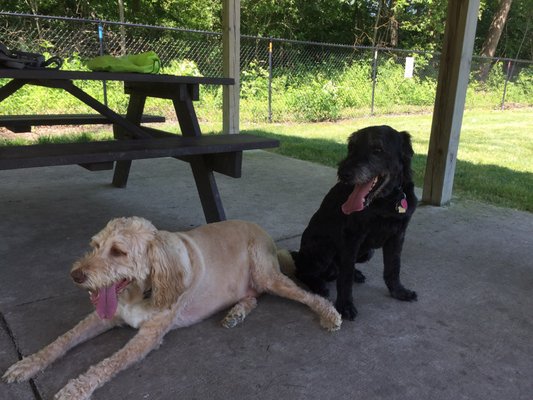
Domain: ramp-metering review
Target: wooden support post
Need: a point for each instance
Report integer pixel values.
(231, 41)
(450, 100)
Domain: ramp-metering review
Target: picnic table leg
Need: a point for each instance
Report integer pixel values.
(134, 114)
(208, 191)
(203, 175)
(11, 87)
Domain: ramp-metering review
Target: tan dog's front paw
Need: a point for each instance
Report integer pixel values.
(22, 370)
(78, 389)
(332, 320)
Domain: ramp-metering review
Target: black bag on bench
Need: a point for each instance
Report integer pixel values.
(21, 59)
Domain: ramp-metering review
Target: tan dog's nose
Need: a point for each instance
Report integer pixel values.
(78, 276)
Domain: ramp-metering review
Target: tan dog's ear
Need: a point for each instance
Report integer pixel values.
(170, 268)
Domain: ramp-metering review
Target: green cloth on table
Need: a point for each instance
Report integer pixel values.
(147, 63)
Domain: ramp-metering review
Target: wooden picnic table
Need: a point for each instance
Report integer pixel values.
(206, 153)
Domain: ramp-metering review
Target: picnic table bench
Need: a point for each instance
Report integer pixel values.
(206, 153)
(24, 123)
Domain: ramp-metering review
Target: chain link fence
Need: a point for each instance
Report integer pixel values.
(281, 79)
(85, 38)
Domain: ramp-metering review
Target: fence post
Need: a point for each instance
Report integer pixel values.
(374, 75)
(270, 80)
(101, 41)
(510, 67)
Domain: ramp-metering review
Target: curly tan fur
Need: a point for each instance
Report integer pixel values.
(162, 281)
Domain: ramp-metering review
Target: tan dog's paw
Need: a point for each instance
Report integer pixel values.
(79, 389)
(233, 319)
(331, 320)
(238, 312)
(22, 370)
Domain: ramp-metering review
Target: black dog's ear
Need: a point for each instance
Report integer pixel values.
(407, 155)
(407, 148)
(351, 142)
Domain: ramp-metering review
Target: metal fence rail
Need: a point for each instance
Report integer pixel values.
(268, 65)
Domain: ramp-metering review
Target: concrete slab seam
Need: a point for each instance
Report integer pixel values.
(7, 328)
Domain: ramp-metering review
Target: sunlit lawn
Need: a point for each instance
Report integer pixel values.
(495, 158)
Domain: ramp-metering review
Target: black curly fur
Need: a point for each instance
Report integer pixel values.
(333, 242)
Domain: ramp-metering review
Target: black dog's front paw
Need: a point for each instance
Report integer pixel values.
(346, 309)
(403, 294)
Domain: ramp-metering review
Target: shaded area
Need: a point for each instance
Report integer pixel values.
(468, 336)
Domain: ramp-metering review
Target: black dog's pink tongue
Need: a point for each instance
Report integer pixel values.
(106, 303)
(356, 200)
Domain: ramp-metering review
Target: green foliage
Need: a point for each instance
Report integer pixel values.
(355, 86)
(195, 14)
(254, 81)
(418, 24)
(315, 101)
(490, 92)
(394, 89)
(422, 23)
(181, 67)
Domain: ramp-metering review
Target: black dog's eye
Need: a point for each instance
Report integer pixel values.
(377, 150)
(116, 252)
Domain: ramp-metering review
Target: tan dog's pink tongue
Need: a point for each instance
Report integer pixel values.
(356, 199)
(107, 303)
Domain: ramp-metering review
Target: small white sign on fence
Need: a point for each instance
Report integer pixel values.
(409, 67)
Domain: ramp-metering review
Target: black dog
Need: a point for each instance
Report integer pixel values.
(370, 207)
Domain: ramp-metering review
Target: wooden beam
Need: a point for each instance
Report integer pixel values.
(454, 71)
(231, 41)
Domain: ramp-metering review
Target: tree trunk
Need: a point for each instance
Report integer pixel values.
(394, 32)
(376, 24)
(34, 6)
(122, 29)
(493, 36)
(393, 24)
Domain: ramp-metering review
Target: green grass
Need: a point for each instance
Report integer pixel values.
(495, 157)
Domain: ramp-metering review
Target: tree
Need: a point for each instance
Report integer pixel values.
(516, 40)
(408, 24)
(421, 23)
(493, 35)
(386, 26)
(496, 28)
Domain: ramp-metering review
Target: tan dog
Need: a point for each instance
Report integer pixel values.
(157, 281)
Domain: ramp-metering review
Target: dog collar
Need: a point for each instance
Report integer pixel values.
(401, 206)
(147, 294)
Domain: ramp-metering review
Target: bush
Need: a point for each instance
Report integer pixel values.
(355, 86)
(316, 101)
(181, 67)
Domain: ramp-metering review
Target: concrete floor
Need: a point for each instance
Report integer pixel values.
(470, 335)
